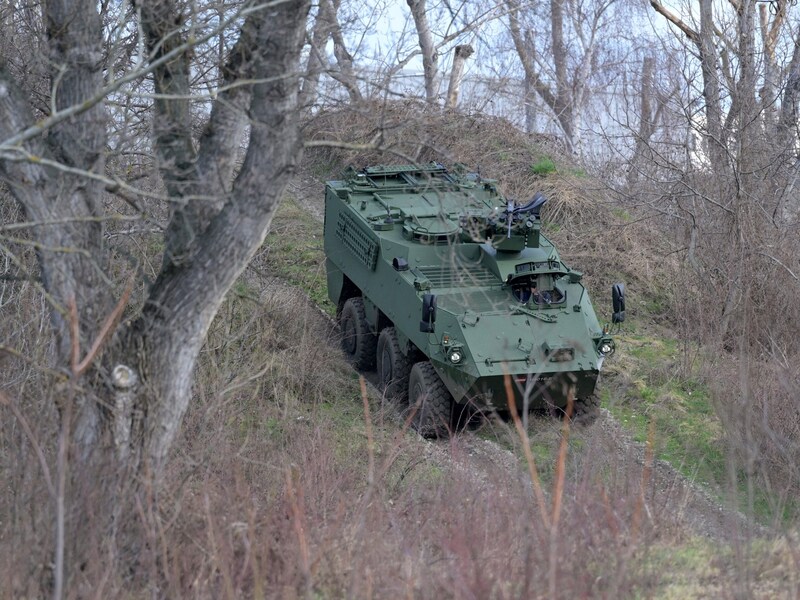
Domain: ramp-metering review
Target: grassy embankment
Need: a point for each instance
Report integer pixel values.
(653, 381)
(279, 444)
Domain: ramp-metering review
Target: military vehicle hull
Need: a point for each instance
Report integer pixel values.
(428, 266)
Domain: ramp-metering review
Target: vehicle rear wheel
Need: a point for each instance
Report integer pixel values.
(393, 365)
(358, 342)
(430, 400)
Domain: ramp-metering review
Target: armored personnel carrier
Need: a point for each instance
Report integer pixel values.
(453, 293)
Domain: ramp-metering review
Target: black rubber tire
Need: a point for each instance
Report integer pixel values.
(587, 410)
(393, 366)
(358, 342)
(430, 401)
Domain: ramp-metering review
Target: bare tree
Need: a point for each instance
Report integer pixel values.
(430, 55)
(327, 26)
(748, 144)
(435, 29)
(652, 105)
(561, 76)
(53, 161)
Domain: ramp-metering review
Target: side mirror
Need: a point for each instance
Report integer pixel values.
(618, 302)
(426, 325)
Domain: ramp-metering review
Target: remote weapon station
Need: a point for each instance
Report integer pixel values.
(454, 294)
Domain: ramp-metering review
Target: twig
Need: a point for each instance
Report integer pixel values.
(370, 441)
(526, 448)
(17, 354)
(558, 492)
(648, 466)
(40, 246)
(37, 284)
(562, 458)
(295, 503)
(223, 568)
(86, 219)
(13, 143)
(74, 333)
(79, 368)
(780, 263)
(6, 401)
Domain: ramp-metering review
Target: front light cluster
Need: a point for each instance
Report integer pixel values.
(606, 347)
(455, 354)
(454, 351)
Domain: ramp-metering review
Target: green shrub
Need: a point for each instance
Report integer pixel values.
(544, 166)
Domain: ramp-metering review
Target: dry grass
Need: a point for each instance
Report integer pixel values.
(706, 288)
(271, 492)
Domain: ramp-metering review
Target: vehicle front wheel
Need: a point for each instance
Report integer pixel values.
(587, 410)
(393, 366)
(358, 342)
(430, 401)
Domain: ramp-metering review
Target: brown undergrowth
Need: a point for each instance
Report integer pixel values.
(724, 287)
(282, 486)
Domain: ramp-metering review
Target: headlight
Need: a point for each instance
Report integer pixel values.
(456, 356)
(607, 347)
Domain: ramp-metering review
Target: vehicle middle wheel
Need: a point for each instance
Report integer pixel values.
(358, 342)
(393, 366)
(430, 400)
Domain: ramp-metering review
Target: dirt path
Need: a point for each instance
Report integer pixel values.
(671, 499)
(669, 494)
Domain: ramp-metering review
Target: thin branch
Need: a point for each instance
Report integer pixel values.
(676, 20)
(526, 448)
(40, 246)
(55, 118)
(6, 401)
(47, 295)
(74, 333)
(19, 154)
(788, 270)
(79, 368)
(17, 354)
(342, 145)
(87, 219)
(112, 184)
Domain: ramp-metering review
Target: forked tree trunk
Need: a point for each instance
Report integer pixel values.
(141, 388)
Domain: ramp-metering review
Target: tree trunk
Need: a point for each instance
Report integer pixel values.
(560, 100)
(326, 25)
(429, 57)
(563, 106)
(715, 142)
(460, 56)
(529, 87)
(66, 207)
(139, 391)
(163, 344)
(641, 153)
